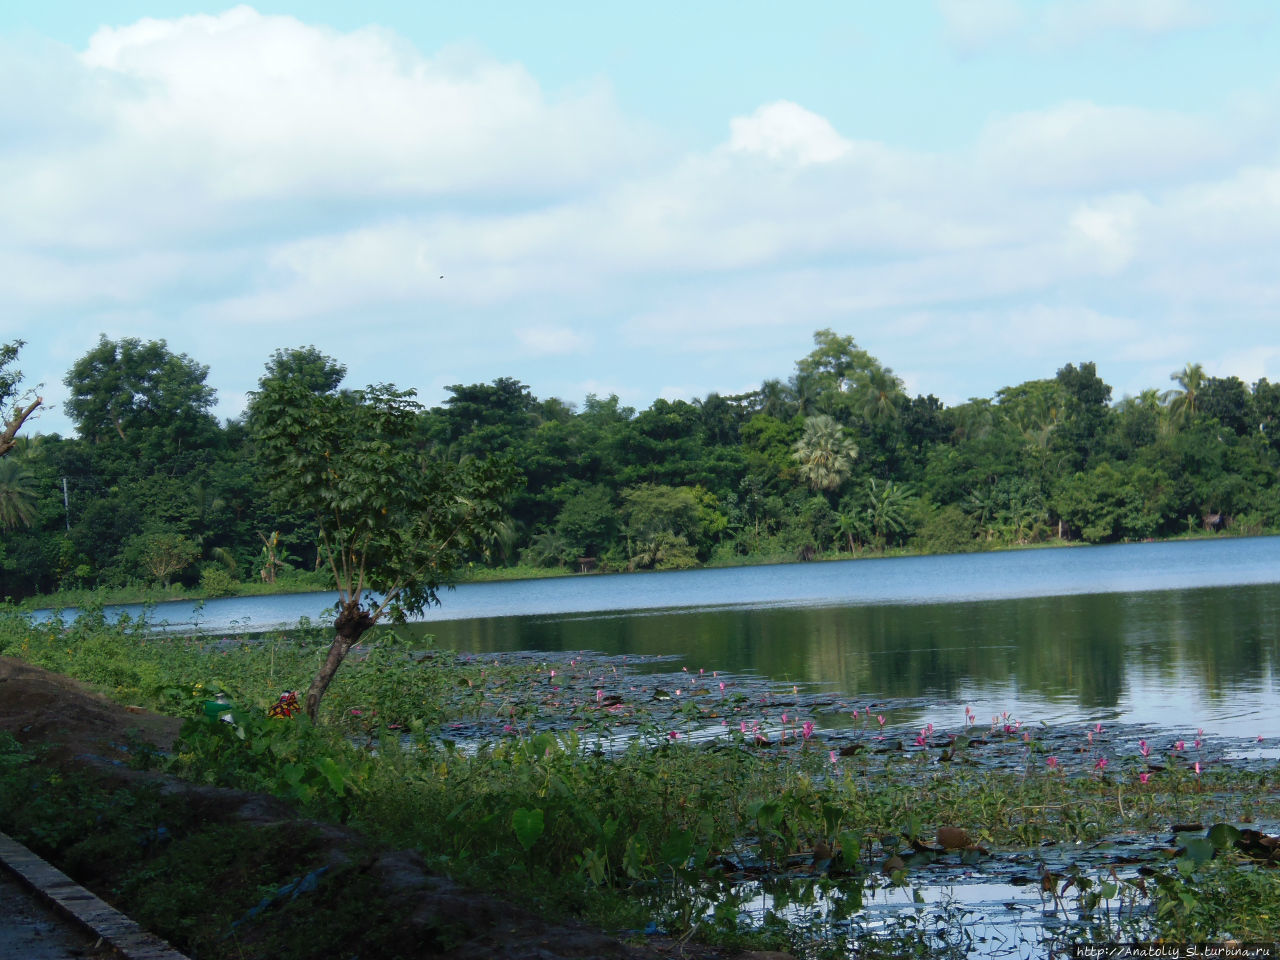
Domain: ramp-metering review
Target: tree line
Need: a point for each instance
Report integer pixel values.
(835, 458)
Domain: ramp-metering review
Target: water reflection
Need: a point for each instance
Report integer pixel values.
(1203, 657)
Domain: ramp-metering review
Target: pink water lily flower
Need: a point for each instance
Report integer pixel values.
(808, 729)
(1179, 746)
(1144, 748)
(1144, 777)
(1051, 762)
(832, 755)
(1101, 764)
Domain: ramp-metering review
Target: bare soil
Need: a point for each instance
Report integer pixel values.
(83, 730)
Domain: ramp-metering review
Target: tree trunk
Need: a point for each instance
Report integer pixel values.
(349, 627)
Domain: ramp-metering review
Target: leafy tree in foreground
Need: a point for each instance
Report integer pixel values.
(393, 525)
(23, 405)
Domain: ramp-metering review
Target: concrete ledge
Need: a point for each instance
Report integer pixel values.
(77, 903)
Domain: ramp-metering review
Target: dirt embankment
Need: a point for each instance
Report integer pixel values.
(85, 731)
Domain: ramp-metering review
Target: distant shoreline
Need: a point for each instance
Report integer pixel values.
(310, 583)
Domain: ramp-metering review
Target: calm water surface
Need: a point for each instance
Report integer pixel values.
(1181, 635)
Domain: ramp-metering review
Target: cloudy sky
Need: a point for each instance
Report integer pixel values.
(661, 200)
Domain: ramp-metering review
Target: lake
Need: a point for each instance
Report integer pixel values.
(1182, 635)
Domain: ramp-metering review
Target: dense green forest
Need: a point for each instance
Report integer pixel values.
(836, 458)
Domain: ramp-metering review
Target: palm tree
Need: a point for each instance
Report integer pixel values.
(773, 399)
(550, 549)
(1149, 399)
(975, 419)
(496, 539)
(887, 509)
(824, 453)
(17, 498)
(807, 395)
(983, 505)
(883, 394)
(1022, 515)
(1182, 403)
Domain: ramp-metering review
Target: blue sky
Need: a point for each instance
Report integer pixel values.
(663, 199)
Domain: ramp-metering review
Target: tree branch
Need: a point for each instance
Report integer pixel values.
(364, 556)
(328, 549)
(11, 428)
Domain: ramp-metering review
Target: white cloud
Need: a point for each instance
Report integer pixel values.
(1074, 21)
(785, 131)
(1084, 145)
(1105, 231)
(216, 124)
(552, 340)
(271, 105)
(974, 24)
(1041, 328)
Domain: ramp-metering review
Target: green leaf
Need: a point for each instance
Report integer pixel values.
(331, 772)
(1199, 849)
(850, 847)
(677, 848)
(633, 859)
(528, 825)
(1223, 835)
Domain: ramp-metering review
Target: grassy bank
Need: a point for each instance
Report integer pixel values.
(591, 791)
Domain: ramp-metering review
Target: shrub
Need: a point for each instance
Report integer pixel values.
(215, 581)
